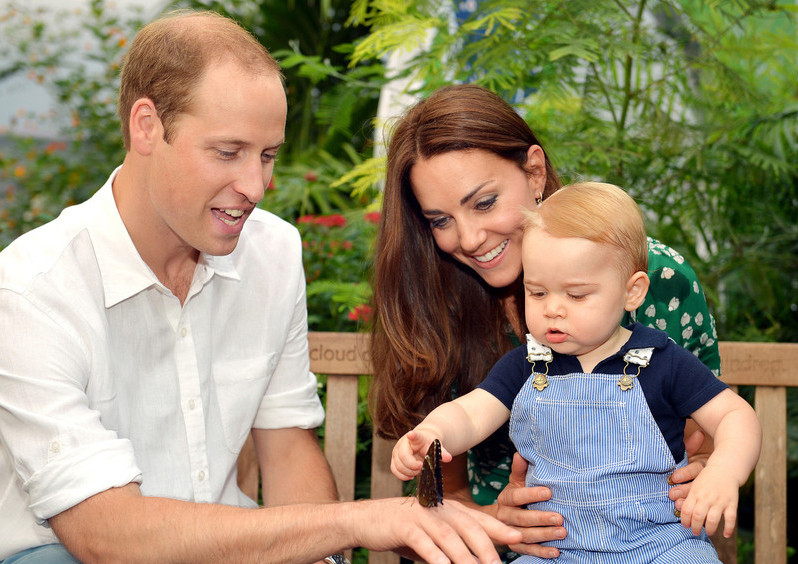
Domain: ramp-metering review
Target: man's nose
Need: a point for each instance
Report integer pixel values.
(253, 179)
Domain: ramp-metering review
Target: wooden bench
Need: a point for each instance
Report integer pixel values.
(770, 367)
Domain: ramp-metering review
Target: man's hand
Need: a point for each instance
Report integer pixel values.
(447, 533)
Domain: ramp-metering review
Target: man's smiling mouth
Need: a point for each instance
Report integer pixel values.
(230, 216)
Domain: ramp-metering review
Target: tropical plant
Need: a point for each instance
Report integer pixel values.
(329, 106)
(689, 105)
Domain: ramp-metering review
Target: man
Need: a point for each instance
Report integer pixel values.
(148, 330)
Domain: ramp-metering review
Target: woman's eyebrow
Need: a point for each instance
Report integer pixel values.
(464, 199)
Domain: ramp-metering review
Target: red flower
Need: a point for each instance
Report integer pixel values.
(334, 220)
(55, 146)
(271, 186)
(361, 313)
(372, 217)
(306, 219)
(311, 176)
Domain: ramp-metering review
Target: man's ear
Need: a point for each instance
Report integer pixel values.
(636, 290)
(145, 126)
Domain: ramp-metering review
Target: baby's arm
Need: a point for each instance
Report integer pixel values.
(737, 435)
(459, 424)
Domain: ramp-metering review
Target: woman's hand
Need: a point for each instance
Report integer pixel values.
(698, 447)
(535, 526)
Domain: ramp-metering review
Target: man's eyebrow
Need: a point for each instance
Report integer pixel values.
(242, 143)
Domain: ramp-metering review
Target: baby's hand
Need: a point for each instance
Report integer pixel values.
(407, 458)
(712, 494)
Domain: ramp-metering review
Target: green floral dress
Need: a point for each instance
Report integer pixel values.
(675, 303)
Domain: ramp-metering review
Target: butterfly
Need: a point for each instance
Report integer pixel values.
(430, 482)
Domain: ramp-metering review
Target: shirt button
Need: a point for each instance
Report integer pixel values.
(55, 447)
(183, 332)
(201, 475)
(191, 404)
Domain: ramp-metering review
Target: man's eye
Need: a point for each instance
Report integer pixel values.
(227, 155)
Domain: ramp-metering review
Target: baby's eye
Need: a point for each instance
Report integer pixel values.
(486, 204)
(577, 297)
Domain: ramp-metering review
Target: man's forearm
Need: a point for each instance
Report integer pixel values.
(293, 466)
(121, 525)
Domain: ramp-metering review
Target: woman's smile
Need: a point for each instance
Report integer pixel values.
(492, 254)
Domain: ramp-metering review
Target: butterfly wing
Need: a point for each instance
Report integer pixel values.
(430, 481)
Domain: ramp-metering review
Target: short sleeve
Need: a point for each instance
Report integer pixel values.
(675, 303)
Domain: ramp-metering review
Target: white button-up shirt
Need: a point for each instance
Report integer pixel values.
(106, 379)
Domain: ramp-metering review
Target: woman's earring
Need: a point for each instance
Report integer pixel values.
(539, 199)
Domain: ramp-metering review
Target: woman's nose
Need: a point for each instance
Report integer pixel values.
(471, 235)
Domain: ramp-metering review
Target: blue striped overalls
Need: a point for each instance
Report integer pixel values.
(599, 450)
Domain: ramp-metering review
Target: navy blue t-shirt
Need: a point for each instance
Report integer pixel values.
(675, 383)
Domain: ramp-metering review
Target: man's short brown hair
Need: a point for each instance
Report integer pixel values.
(169, 56)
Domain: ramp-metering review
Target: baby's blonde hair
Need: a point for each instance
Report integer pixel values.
(598, 212)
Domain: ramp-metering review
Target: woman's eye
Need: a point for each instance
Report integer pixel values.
(486, 204)
(438, 222)
(268, 157)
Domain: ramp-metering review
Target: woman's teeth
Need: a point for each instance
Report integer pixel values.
(490, 255)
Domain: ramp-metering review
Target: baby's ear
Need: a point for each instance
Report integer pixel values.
(636, 290)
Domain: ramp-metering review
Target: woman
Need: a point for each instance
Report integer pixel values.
(448, 296)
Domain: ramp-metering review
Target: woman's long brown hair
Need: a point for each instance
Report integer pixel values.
(438, 326)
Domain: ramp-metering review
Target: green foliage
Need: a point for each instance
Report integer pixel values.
(41, 178)
(337, 257)
(689, 105)
(329, 107)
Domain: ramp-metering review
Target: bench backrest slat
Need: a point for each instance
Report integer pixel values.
(771, 367)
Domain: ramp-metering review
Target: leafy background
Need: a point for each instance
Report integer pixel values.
(692, 106)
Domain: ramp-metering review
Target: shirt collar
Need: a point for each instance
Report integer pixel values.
(124, 272)
(644, 337)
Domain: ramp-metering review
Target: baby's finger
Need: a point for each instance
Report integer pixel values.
(729, 521)
(712, 520)
(401, 470)
(697, 520)
(686, 512)
(416, 441)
